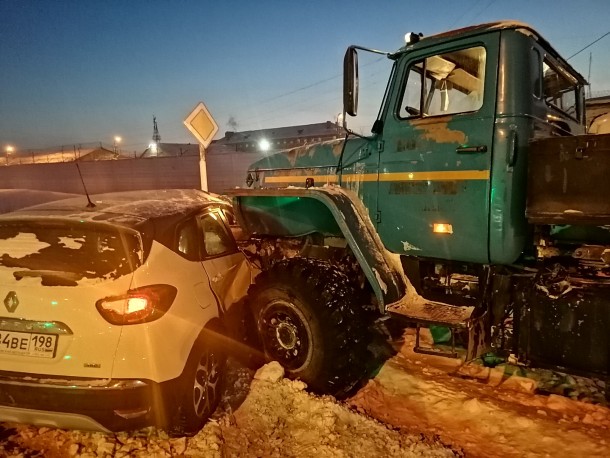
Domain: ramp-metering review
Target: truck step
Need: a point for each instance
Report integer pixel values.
(429, 313)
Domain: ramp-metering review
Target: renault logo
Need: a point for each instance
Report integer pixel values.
(11, 301)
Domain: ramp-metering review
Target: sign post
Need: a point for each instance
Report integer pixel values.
(203, 127)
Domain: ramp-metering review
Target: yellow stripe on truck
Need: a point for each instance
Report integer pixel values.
(445, 175)
(300, 178)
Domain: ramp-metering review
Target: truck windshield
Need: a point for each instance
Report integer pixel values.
(445, 84)
(375, 74)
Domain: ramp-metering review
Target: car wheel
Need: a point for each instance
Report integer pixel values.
(198, 390)
(310, 320)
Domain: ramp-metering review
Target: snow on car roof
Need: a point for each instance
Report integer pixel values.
(128, 208)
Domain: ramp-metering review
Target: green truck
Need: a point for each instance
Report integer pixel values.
(478, 204)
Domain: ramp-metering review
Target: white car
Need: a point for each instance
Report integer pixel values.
(113, 313)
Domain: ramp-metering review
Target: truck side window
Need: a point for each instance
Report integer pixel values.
(559, 89)
(445, 84)
(537, 72)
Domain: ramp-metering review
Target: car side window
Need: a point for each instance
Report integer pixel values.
(187, 240)
(217, 240)
(444, 84)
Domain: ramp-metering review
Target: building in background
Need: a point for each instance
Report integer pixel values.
(229, 157)
(598, 114)
(170, 150)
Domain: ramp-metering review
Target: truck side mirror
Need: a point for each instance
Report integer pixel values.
(350, 82)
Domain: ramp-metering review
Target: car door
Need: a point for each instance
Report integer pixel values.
(226, 267)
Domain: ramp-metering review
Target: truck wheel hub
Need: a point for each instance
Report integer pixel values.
(286, 335)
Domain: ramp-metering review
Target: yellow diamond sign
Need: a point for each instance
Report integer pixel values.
(201, 124)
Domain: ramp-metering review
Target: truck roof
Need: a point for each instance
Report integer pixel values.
(487, 27)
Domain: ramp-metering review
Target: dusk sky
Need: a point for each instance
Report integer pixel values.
(76, 71)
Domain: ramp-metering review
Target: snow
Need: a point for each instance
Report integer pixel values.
(72, 243)
(23, 244)
(272, 372)
(382, 284)
(415, 405)
(408, 247)
(481, 411)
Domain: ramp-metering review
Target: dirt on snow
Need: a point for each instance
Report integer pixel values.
(414, 405)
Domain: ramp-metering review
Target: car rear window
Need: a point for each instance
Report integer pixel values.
(65, 253)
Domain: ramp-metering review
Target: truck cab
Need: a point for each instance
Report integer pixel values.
(453, 137)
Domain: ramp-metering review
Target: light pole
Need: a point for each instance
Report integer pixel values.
(117, 140)
(9, 149)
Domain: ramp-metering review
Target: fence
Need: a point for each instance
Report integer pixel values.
(105, 176)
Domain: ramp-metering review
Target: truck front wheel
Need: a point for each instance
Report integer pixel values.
(311, 321)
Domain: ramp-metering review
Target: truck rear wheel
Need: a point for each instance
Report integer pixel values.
(311, 321)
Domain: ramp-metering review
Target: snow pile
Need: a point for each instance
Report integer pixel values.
(275, 418)
(278, 418)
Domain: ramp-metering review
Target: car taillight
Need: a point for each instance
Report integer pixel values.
(139, 305)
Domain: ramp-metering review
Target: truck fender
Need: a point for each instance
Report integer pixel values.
(332, 211)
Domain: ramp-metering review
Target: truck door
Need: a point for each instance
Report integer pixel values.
(434, 173)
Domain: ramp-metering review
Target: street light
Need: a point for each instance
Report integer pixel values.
(9, 149)
(264, 144)
(117, 140)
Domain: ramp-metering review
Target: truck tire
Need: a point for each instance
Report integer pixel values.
(196, 393)
(310, 320)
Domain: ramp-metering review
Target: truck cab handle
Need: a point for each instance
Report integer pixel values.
(471, 149)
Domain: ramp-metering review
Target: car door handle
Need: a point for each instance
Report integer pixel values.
(471, 149)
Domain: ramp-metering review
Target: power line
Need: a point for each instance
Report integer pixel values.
(484, 9)
(589, 45)
(464, 14)
(317, 83)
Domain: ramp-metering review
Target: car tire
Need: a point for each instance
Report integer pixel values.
(196, 394)
(310, 320)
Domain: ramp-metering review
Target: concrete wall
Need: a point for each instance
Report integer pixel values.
(227, 169)
(105, 176)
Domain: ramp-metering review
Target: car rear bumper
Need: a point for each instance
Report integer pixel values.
(88, 404)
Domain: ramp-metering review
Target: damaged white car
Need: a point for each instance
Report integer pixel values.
(114, 313)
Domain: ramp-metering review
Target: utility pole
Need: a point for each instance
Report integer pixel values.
(589, 76)
(156, 136)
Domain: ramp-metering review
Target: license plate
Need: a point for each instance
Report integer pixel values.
(28, 344)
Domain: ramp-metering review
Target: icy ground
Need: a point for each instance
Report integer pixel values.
(415, 405)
